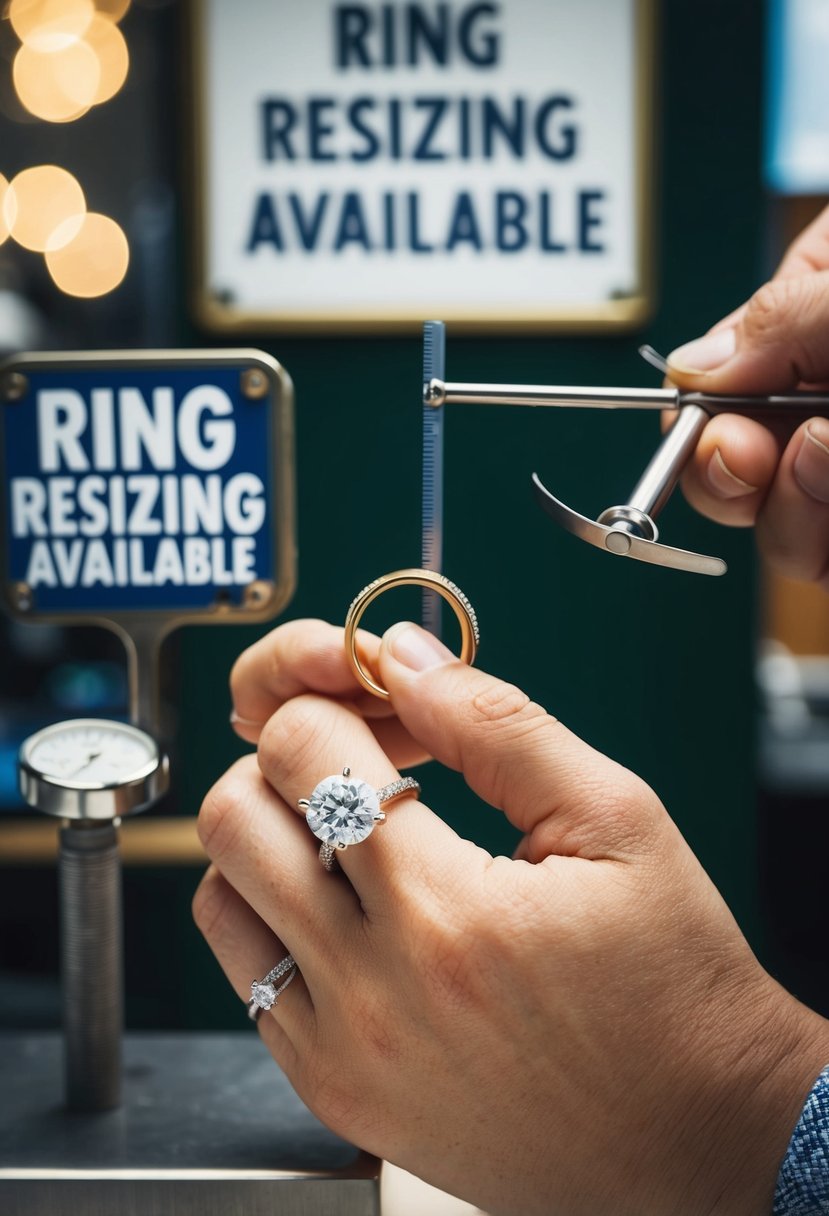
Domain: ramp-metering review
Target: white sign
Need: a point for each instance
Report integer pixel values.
(371, 164)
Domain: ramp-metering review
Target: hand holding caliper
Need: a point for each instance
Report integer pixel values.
(629, 529)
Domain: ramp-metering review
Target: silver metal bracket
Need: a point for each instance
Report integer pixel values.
(630, 530)
(615, 539)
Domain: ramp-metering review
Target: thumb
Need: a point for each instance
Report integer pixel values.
(566, 797)
(777, 342)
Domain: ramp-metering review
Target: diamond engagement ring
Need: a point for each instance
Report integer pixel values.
(343, 810)
(265, 993)
(432, 581)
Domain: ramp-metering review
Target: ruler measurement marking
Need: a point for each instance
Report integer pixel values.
(431, 551)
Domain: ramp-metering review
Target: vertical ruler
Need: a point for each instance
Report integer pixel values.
(431, 537)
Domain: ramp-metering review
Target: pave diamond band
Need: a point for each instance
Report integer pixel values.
(387, 793)
(266, 992)
(343, 810)
(430, 579)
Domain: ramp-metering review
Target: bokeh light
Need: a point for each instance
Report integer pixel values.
(107, 43)
(4, 225)
(40, 200)
(95, 259)
(50, 25)
(58, 86)
(71, 58)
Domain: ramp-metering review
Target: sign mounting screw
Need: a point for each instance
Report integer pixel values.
(254, 383)
(258, 593)
(14, 386)
(22, 596)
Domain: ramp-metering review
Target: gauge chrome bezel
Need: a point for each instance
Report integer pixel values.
(72, 799)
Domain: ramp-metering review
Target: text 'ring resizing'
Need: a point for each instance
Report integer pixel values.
(343, 810)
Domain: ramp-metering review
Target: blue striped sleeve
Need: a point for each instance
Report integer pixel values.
(803, 1181)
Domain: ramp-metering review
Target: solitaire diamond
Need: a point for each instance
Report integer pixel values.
(342, 810)
(263, 995)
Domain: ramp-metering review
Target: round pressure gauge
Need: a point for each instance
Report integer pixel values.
(91, 768)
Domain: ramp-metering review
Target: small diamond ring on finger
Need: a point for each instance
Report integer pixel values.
(265, 993)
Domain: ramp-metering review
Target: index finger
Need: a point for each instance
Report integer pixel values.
(309, 656)
(295, 658)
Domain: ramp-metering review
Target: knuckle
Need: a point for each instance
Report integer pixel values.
(241, 665)
(502, 706)
(209, 903)
(498, 700)
(243, 673)
(625, 812)
(225, 810)
(254, 675)
(616, 814)
(767, 306)
(280, 649)
(787, 311)
(291, 737)
(503, 712)
(264, 663)
(610, 790)
(300, 639)
(626, 793)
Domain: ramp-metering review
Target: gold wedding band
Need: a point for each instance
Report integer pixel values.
(468, 621)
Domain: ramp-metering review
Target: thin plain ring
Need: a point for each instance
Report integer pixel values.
(468, 621)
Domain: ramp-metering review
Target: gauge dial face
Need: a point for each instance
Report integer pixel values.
(91, 752)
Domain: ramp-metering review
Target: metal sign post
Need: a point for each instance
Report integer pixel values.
(143, 491)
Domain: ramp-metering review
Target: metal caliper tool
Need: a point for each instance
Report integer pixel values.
(629, 529)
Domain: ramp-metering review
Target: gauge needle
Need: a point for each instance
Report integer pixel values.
(92, 756)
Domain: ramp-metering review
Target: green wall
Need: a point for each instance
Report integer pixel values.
(653, 667)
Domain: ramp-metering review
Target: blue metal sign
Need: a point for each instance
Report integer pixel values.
(148, 482)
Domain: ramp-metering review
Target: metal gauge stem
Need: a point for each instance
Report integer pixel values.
(90, 772)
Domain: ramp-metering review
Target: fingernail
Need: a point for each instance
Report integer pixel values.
(415, 648)
(723, 482)
(238, 720)
(811, 465)
(706, 353)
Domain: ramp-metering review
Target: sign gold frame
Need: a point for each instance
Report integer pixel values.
(610, 316)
